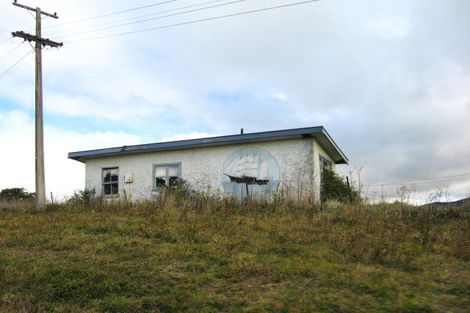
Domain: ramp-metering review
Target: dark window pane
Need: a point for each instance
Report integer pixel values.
(173, 180)
(325, 164)
(106, 176)
(114, 177)
(107, 189)
(160, 181)
(114, 189)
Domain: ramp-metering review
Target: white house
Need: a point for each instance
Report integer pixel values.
(254, 163)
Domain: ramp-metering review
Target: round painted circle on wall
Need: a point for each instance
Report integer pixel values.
(250, 171)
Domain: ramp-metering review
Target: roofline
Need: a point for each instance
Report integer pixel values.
(317, 132)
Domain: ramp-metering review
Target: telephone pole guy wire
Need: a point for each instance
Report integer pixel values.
(39, 134)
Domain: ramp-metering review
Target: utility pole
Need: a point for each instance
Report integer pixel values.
(40, 42)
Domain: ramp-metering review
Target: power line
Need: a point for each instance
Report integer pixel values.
(10, 51)
(3, 74)
(151, 19)
(5, 41)
(421, 180)
(112, 13)
(118, 22)
(198, 20)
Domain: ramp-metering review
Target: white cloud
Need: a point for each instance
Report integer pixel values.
(390, 27)
(63, 175)
(192, 135)
(388, 79)
(280, 96)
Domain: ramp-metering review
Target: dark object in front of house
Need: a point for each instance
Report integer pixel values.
(249, 180)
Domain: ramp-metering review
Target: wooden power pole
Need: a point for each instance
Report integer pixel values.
(40, 42)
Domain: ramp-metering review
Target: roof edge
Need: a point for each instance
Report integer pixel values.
(315, 131)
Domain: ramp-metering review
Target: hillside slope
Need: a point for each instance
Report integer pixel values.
(174, 258)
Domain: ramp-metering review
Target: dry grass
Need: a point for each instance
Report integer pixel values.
(210, 255)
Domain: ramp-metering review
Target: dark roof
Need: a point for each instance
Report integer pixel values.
(319, 133)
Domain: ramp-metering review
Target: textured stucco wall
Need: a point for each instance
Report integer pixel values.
(317, 152)
(201, 167)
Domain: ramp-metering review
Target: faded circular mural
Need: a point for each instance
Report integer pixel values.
(250, 171)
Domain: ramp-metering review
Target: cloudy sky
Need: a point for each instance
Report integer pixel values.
(389, 79)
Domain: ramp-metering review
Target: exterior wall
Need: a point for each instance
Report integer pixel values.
(202, 167)
(317, 152)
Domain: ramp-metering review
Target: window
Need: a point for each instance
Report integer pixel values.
(325, 164)
(166, 175)
(111, 181)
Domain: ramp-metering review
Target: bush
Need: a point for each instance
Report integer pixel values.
(16, 194)
(82, 197)
(333, 187)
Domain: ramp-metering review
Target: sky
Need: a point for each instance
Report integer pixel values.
(389, 80)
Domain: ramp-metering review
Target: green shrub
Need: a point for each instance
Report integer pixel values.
(16, 194)
(83, 197)
(333, 187)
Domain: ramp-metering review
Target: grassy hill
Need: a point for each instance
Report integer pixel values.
(182, 256)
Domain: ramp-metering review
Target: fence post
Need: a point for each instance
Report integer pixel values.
(349, 189)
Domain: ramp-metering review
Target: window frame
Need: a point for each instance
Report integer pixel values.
(167, 180)
(103, 183)
(324, 161)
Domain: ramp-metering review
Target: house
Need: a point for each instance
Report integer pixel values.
(235, 165)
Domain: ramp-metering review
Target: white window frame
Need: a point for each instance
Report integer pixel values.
(167, 177)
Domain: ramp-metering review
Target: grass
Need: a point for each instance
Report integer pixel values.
(174, 255)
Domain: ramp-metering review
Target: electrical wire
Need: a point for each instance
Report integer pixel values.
(5, 41)
(3, 74)
(196, 21)
(421, 180)
(151, 19)
(10, 51)
(112, 13)
(118, 21)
